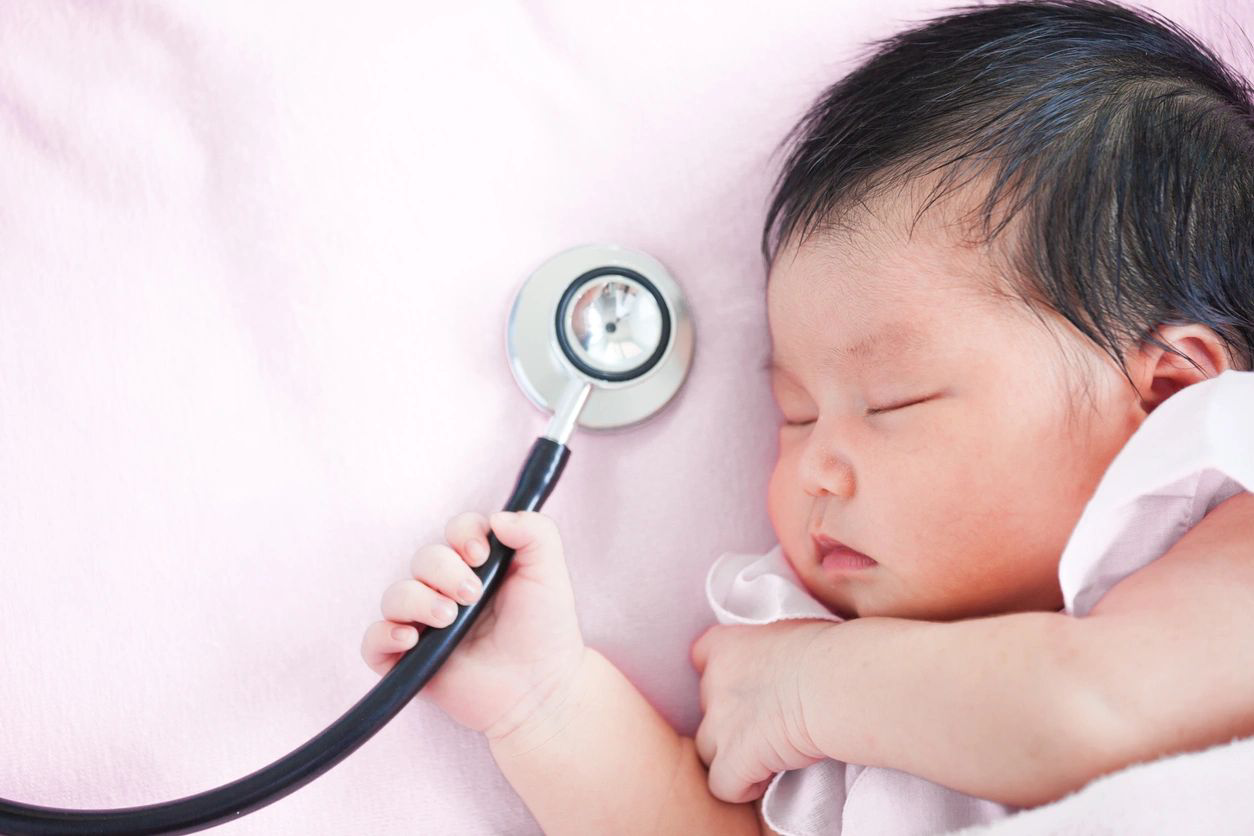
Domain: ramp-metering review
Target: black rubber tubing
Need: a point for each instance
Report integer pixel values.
(339, 740)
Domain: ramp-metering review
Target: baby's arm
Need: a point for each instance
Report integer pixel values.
(1027, 707)
(602, 760)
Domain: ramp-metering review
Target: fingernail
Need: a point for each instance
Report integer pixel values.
(401, 634)
(478, 550)
(446, 610)
(505, 516)
(469, 591)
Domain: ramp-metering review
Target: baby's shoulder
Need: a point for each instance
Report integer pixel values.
(1232, 519)
(1212, 560)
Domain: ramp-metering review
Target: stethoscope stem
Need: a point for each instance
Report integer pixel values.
(536, 480)
(572, 402)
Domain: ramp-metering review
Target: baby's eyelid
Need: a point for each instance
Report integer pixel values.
(896, 406)
(871, 410)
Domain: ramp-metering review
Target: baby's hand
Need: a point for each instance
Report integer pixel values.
(751, 693)
(521, 652)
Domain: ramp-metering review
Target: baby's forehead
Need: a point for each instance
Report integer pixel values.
(923, 226)
(834, 305)
(844, 276)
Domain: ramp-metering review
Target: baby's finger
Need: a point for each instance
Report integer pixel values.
(533, 536)
(468, 534)
(444, 570)
(410, 600)
(384, 643)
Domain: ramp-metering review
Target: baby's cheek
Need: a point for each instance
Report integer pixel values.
(956, 535)
(781, 497)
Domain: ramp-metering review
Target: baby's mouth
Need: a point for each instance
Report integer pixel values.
(844, 559)
(834, 556)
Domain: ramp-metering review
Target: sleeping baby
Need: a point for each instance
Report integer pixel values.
(1009, 258)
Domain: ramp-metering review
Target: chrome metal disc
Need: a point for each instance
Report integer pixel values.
(605, 315)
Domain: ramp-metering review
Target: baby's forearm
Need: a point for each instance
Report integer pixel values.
(991, 707)
(604, 761)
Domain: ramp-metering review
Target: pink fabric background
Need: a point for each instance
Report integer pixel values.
(256, 266)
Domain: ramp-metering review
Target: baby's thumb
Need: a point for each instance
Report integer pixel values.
(533, 536)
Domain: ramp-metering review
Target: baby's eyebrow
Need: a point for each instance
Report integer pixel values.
(896, 337)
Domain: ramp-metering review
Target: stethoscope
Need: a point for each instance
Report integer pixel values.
(600, 336)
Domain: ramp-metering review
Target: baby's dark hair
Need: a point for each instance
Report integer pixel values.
(1129, 143)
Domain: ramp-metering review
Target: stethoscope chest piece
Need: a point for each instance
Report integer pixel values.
(607, 316)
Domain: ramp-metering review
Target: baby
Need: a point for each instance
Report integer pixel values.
(995, 248)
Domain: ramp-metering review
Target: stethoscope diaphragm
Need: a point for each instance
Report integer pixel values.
(605, 316)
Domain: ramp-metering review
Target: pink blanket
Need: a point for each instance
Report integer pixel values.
(256, 263)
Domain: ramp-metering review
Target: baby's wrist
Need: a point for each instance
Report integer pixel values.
(543, 714)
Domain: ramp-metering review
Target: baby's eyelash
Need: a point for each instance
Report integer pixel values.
(878, 410)
(870, 411)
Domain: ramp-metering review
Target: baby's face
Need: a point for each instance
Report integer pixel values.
(966, 487)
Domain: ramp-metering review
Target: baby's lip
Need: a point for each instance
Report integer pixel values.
(824, 545)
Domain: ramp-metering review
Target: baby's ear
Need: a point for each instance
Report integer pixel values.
(1159, 373)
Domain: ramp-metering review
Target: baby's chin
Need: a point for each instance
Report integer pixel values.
(843, 603)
